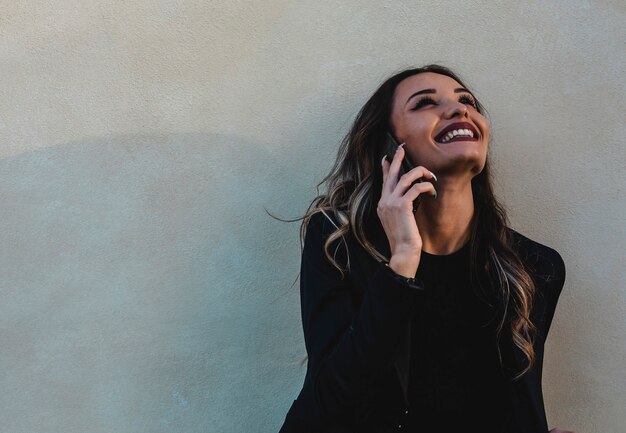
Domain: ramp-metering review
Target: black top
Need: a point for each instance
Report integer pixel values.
(455, 375)
(385, 354)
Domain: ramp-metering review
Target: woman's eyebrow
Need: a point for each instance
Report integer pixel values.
(458, 90)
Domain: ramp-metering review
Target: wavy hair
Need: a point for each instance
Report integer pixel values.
(353, 188)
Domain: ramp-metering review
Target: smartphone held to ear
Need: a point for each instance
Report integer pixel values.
(405, 165)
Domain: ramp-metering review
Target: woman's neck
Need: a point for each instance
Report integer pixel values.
(444, 224)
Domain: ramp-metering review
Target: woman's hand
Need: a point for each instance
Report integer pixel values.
(395, 211)
(560, 430)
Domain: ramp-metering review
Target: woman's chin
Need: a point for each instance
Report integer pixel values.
(460, 162)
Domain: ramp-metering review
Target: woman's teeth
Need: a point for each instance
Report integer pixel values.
(450, 135)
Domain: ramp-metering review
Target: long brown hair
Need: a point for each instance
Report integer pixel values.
(353, 189)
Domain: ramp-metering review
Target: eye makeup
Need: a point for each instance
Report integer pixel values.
(428, 100)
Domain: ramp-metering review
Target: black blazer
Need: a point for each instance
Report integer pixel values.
(356, 335)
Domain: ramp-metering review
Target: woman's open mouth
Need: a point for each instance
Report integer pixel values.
(460, 131)
(458, 137)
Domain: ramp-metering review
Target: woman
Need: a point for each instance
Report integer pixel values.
(433, 320)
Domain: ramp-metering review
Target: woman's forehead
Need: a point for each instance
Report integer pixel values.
(425, 80)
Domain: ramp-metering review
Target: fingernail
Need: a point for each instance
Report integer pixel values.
(433, 175)
(382, 162)
(402, 144)
(435, 194)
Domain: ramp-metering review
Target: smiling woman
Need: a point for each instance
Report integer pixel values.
(427, 320)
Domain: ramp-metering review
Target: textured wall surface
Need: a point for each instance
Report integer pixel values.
(143, 286)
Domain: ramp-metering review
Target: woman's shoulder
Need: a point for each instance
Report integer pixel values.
(321, 225)
(325, 220)
(545, 262)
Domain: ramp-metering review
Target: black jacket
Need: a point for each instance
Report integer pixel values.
(356, 335)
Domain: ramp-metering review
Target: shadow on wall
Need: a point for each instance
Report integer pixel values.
(138, 274)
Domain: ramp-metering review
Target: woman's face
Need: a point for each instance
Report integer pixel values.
(419, 120)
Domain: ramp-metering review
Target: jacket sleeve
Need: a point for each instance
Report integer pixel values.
(347, 344)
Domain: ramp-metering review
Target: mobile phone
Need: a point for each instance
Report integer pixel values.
(405, 165)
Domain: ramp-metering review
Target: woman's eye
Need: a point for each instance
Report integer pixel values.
(424, 101)
(468, 99)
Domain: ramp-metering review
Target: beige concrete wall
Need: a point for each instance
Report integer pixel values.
(143, 286)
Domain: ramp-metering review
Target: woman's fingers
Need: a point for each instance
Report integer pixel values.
(405, 188)
(408, 179)
(417, 189)
(390, 171)
(385, 169)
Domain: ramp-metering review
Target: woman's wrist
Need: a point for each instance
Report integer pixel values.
(404, 264)
(411, 281)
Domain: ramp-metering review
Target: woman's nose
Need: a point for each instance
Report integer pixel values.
(456, 108)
